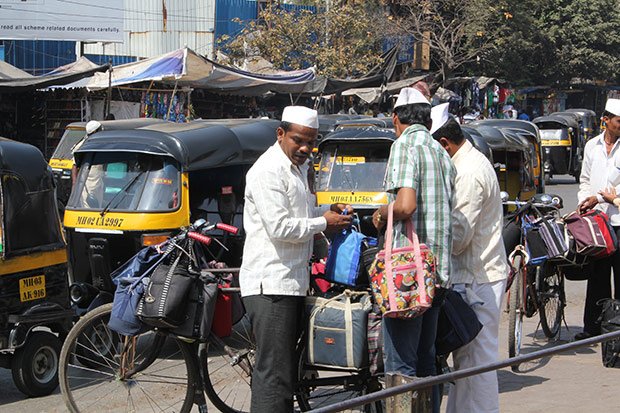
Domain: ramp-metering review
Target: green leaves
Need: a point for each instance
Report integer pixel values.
(342, 41)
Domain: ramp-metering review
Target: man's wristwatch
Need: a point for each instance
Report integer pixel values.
(616, 202)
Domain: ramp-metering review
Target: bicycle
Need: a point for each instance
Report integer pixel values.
(162, 372)
(535, 285)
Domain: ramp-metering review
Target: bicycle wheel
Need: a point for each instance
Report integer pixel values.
(515, 311)
(228, 368)
(551, 300)
(95, 374)
(319, 387)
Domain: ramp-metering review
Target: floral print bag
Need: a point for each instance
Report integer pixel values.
(403, 279)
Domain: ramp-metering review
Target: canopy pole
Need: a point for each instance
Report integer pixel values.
(174, 92)
(290, 95)
(108, 101)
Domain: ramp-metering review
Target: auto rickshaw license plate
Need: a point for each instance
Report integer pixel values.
(32, 288)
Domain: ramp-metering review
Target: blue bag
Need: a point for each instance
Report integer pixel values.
(130, 279)
(344, 259)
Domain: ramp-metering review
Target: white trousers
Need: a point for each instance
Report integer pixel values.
(480, 393)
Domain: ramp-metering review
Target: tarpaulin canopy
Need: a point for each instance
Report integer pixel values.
(8, 71)
(19, 82)
(372, 94)
(80, 65)
(184, 67)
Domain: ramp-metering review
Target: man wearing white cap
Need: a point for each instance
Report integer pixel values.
(280, 222)
(479, 266)
(419, 180)
(600, 174)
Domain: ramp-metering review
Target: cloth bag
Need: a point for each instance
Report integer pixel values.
(343, 264)
(337, 330)
(457, 324)
(610, 322)
(131, 279)
(403, 279)
(587, 234)
(164, 302)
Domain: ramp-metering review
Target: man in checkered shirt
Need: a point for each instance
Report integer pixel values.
(419, 179)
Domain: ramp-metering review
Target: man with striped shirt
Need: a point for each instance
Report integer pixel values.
(419, 180)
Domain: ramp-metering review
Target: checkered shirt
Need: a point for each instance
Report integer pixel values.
(418, 161)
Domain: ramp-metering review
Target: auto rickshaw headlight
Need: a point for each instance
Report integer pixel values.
(81, 293)
(154, 239)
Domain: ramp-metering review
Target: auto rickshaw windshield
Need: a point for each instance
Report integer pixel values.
(71, 137)
(353, 168)
(554, 134)
(109, 181)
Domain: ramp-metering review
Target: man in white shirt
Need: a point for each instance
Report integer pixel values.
(479, 266)
(601, 170)
(280, 222)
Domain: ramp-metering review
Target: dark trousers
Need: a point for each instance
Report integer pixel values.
(275, 324)
(599, 287)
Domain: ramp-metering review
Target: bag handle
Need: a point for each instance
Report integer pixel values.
(414, 243)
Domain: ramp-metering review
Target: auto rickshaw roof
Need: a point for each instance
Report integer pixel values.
(196, 145)
(327, 123)
(544, 122)
(368, 121)
(516, 125)
(353, 135)
(476, 139)
(26, 161)
(498, 139)
(119, 124)
(582, 112)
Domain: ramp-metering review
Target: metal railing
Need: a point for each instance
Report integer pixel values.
(459, 374)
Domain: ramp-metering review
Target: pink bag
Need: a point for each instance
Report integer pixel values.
(403, 279)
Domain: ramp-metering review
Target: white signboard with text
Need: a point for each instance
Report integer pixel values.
(81, 20)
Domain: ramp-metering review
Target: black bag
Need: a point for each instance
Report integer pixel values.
(610, 322)
(200, 309)
(457, 324)
(164, 302)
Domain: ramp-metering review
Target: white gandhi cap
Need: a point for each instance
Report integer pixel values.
(409, 96)
(301, 115)
(613, 106)
(439, 115)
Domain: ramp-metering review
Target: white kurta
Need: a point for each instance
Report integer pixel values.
(280, 221)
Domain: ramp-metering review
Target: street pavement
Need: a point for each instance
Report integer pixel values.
(575, 381)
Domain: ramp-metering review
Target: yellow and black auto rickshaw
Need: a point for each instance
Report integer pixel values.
(562, 143)
(136, 187)
(529, 135)
(588, 122)
(35, 310)
(512, 159)
(352, 168)
(62, 158)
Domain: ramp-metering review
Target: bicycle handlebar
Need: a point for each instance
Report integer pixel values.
(199, 237)
(227, 228)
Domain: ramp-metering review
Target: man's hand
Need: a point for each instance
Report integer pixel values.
(589, 203)
(378, 219)
(608, 194)
(337, 221)
(342, 207)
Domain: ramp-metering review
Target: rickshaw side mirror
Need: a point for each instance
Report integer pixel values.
(504, 196)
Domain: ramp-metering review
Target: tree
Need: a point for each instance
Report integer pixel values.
(556, 40)
(457, 31)
(340, 39)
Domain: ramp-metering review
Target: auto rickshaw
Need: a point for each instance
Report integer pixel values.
(328, 123)
(62, 158)
(352, 168)
(589, 122)
(562, 145)
(136, 187)
(512, 160)
(362, 122)
(530, 135)
(35, 310)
